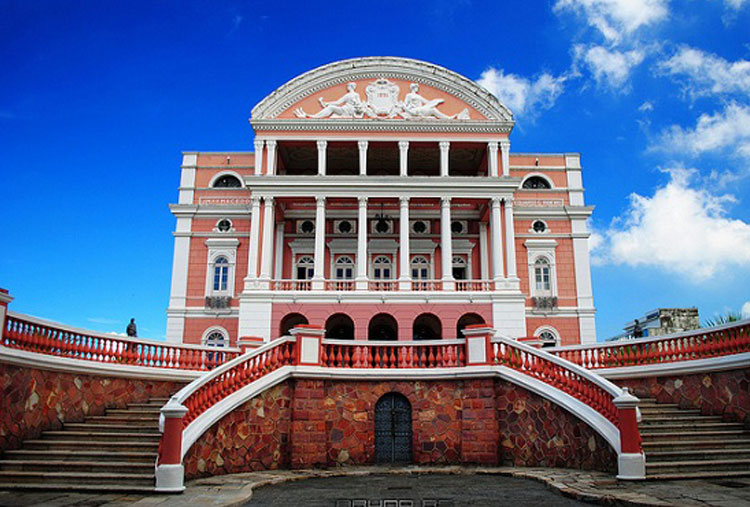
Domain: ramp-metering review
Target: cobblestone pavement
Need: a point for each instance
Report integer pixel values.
(590, 487)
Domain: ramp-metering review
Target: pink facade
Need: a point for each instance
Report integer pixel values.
(381, 202)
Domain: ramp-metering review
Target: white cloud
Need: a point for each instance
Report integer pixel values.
(705, 73)
(646, 107)
(736, 4)
(616, 19)
(745, 310)
(725, 130)
(680, 229)
(524, 97)
(610, 68)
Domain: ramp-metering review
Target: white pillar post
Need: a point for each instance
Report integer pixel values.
(252, 255)
(505, 153)
(510, 238)
(496, 243)
(267, 252)
(492, 158)
(278, 272)
(271, 160)
(258, 156)
(322, 157)
(403, 157)
(444, 150)
(483, 264)
(318, 280)
(446, 243)
(404, 272)
(362, 145)
(361, 281)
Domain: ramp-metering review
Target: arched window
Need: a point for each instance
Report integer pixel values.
(459, 268)
(290, 321)
(542, 276)
(216, 339)
(548, 339)
(305, 268)
(340, 326)
(536, 182)
(420, 268)
(227, 181)
(427, 327)
(221, 274)
(382, 327)
(382, 268)
(468, 319)
(344, 268)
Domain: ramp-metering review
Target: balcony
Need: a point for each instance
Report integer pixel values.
(383, 285)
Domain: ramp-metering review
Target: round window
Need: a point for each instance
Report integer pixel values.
(381, 226)
(224, 225)
(420, 227)
(345, 227)
(457, 227)
(538, 226)
(307, 226)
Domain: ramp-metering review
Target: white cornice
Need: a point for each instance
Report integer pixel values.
(375, 125)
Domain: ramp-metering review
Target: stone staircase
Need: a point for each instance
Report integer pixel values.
(113, 452)
(683, 444)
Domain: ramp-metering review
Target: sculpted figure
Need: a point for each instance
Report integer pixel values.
(416, 106)
(350, 105)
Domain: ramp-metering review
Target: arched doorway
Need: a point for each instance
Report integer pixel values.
(291, 321)
(393, 431)
(382, 327)
(340, 326)
(427, 327)
(468, 319)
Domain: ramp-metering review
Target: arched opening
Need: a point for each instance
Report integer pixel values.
(227, 181)
(340, 326)
(468, 319)
(427, 327)
(393, 430)
(382, 327)
(291, 321)
(536, 183)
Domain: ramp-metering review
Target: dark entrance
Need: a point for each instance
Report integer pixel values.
(393, 429)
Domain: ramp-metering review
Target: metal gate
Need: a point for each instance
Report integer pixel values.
(393, 432)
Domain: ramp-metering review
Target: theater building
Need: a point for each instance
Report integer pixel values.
(381, 202)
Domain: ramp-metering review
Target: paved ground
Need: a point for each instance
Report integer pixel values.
(559, 485)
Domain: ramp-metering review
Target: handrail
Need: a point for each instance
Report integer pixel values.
(587, 387)
(731, 338)
(388, 354)
(50, 338)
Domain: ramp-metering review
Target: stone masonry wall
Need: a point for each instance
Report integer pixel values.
(35, 400)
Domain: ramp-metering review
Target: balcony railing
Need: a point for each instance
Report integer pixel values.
(291, 285)
(475, 285)
(412, 354)
(383, 285)
(339, 284)
(426, 285)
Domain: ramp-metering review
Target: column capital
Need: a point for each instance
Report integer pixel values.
(362, 144)
(403, 145)
(508, 201)
(271, 143)
(258, 143)
(404, 200)
(255, 201)
(445, 201)
(320, 200)
(504, 143)
(268, 199)
(492, 145)
(444, 145)
(322, 144)
(362, 199)
(495, 201)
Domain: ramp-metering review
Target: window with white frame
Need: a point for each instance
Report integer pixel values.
(459, 268)
(215, 338)
(220, 268)
(548, 337)
(382, 269)
(344, 268)
(542, 272)
(221, 275)
(420, 268)
(305, 268)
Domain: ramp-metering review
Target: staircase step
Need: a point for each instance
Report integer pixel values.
(697, 475)
(134, 421)
(698, 466)
(113, 444)
(124, 412)
(652, 421)
(113, 428)
(692, 427)
(686, 435)
(697, 454)
(669, 444)
(101, 436)
(112, 467)
(668, 411)
(104, 480)
(67, 455)
(150, 407)
(63, 487)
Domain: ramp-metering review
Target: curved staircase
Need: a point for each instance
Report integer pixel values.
(683, 444)
(113, 452)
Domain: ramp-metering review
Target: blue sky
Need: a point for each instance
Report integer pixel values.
(98, 99)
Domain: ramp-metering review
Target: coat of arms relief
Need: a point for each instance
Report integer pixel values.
(382, 102)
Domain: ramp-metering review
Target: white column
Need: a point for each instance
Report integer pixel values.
(510, 239)
(266, 263)
(362, 157)
(320, 243)
(446, 243)
(252, 255)
(492, 158)
(403, 154)
(278, 272)
(505, 154)
(361, 281)
(322, 157)
(404, 272)
(271, 160)
(483, 264)
(258, 156)
(444, 147)
(496, 243)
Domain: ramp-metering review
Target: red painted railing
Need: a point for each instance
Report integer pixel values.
(586, 387)
(360, 354)
(34, 335)
(430, 285)
(474, 285)
(383, 285)
(732, 338)
(339, 285)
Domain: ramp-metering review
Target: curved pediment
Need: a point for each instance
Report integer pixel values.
(382, 88)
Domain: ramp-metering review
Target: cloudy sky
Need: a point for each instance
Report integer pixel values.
(98, 99)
